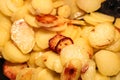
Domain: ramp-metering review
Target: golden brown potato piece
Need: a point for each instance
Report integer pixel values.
(11, 70)
(58, 42)
(53, 41)
(62, 43)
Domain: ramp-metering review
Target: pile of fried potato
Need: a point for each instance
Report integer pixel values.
(58, 40)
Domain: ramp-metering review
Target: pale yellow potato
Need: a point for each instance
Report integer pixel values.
(4, 9)
(95, 18)
(14, 5)
(115, 47)
(88, 5)
(76, 31)
(32, 59)
(23, 36)
(54, 12)
(84, 46)
(36, 48)
(42, 6)
(108, 63)
(102, 35)
(73, 52)
(11, 53)
(116, 77)
(31, 9)
(5, 22)
(91, 71)
(64, 11)
(75, 11)
(117, 23)
(43, 74)
(99, 76)
(25, 74)
(42, 38)
(91, 20)
(58, 3)
(30, 19)
(39, 60)
(5, 36)
(20, 13)
(52, 61)
(85, 31)
(102, 17)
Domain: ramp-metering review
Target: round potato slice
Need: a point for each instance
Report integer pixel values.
(11, 53)
(108, 63)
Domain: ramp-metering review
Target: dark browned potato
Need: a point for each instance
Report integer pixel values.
(10, 70)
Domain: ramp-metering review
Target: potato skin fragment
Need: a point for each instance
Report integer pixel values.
(58, 42)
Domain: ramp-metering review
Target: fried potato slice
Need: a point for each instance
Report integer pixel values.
(42, 7)
(42, 38)
(109, 65)
(23, 36)
(58, 42)
(4, 9)
(11, 53)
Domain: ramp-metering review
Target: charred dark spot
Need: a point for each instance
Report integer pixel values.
(70, 71)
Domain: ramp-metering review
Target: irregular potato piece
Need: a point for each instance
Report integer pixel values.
(11, 70)
(42, 7)
(11, 53)
(86, 31)
(99, 76)
(73, 52)
(4, 9)
(42, 38)
(39, 60)
(75, 11)
(5, 22)
(102, 17)
(116, 77)
(43, 74)
(84, 46)
(108, 62)
(5, 36)
(64, 11)
(89, 74)
(25, 74)
(117, 23)
(14, 5)
(30, 19)
(33, 57)
(52, 61)
(76, 31)
(23, 36)
(17, 15)
(115, 47)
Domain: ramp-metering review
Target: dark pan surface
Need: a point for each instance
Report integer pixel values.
(2, 77)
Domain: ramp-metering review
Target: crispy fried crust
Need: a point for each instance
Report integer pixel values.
(62, 43)
(58, 42)
(10, 70)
